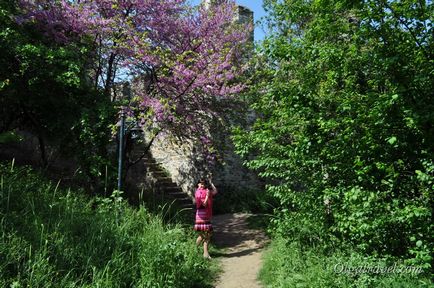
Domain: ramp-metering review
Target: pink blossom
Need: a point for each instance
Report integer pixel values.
(191, 56)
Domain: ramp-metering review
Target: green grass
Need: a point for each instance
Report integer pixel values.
(60, 238)
(9, 137)
(289, 264)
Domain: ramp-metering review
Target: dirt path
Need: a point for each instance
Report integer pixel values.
(242, 248)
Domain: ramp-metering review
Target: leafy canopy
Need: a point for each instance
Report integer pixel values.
(343, 134)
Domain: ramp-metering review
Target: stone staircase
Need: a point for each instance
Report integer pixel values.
(163, 185)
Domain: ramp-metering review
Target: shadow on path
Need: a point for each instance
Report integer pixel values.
(236, 254)
(232, 232)
(241, 246)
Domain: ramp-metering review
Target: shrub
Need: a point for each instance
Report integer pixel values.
(290, 264)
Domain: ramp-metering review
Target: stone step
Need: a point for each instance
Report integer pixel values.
(159, 174)
(178, 195)
(166, 185)
(187, 207)
(184, 201)
(145, 158)
(152, 166)
(165, 180)
(169, 190)
(185, 198)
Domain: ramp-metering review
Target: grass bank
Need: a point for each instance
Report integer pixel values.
(51, 237)
(290, 264)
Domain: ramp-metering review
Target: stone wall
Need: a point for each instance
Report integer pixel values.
(185, 164)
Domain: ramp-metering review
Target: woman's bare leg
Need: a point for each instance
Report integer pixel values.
(205, 245)
(199, 239)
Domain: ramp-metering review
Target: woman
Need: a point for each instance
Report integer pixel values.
(204, 196)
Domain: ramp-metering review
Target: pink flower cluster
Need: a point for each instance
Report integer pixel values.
(190, 56)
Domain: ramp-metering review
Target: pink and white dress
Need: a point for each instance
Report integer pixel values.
(203, 213)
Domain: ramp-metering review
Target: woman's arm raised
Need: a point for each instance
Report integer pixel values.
(213, 189)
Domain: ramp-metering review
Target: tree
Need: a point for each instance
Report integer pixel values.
(343, 133)
(44, 90)
(187, 57)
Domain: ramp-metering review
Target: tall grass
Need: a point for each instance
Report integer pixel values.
(56, 238)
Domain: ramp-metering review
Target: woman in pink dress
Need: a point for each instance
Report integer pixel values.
(204, 196)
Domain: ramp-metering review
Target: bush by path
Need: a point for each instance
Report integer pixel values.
(289, 264)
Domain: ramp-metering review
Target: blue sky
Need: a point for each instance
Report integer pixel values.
(258, 12)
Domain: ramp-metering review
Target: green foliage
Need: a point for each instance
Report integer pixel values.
(344, 134)
(9, 137)
(42, 82)
(289, 264)
(91, 136)
(45, 89)
(55, 238)
(231, 199)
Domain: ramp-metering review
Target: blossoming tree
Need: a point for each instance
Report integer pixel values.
(188, 57)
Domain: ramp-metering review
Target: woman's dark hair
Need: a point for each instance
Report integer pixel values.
(204, 182)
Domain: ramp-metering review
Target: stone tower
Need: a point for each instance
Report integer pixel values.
(208, 3)
(244, 15)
